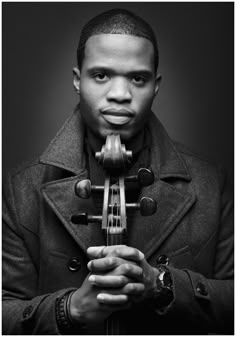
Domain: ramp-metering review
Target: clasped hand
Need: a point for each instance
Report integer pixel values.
(119, 275)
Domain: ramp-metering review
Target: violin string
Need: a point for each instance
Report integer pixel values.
(118, 205)
(112, 212)
(107, 237)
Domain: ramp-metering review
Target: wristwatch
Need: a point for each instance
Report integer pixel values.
(164, 288)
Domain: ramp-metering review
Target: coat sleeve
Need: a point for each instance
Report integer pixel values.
(23, 311)
(209, 302)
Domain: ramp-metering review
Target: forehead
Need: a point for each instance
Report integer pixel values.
(119, 50)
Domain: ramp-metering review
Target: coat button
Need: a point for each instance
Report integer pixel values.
(27, 311)
(74, 264)
(201, 288)
(162, 259)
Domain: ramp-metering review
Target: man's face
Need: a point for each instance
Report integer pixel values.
(117, 84)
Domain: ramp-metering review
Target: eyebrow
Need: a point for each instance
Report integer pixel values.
(144, 72)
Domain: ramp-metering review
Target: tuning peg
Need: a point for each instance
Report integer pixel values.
(80, 219)
(83, 188)
(85, 219)
(145, 177)
(146, 205)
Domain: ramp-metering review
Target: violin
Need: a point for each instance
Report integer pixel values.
(115, 159)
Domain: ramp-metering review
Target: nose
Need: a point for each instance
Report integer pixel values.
(119, 91)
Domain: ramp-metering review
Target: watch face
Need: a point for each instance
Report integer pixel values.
(167, 281)
(164, 293)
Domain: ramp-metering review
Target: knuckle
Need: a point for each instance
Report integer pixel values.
(131, 287)
(122, 280)
(134, 288)
(110, 261)
(134, 252)
(127, 267)
(137, 253)
(116, 251)
(140, 272)
(104, 251)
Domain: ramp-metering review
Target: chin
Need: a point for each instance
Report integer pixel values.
(125, 134)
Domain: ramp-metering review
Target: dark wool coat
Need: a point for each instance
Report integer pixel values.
(44, 254)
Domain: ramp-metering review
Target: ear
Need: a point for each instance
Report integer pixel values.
(76, 80)
(157, 83)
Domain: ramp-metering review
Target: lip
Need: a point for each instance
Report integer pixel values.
(117, 116)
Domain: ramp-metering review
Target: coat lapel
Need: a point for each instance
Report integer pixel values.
(60, 196)
(148, 234)
(66, 151)
(173, 200)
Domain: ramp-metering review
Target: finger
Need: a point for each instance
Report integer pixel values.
(121, 251)
(109, 263)
(108, 281)
(129, 269)
(103, 264)
(95, 252)
(133, 289)
(111, 299)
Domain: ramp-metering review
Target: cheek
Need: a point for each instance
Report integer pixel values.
(91, 99)
(143, 101)
(87, 96)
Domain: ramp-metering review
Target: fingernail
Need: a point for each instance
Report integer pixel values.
(100, 297)
(89, 249)
(92, 279)
(89, 265)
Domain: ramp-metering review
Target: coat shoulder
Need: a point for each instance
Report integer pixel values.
(196, 161)
(187, 152)
(203, 172)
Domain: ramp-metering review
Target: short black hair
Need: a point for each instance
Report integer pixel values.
(117, 21)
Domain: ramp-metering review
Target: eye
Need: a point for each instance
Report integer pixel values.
(100, 77)
(139, 80)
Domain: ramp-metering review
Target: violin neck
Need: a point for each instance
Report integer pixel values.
(115, 236)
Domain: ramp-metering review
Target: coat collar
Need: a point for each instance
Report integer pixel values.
(66, 149)
(66, 152)
(165, 159)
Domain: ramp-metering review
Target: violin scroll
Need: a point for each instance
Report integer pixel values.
(113, 154)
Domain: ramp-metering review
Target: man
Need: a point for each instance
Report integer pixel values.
(175, 275)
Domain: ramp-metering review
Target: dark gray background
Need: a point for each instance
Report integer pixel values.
(195, 102)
